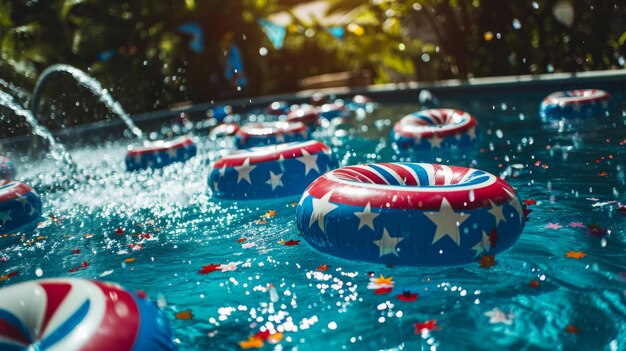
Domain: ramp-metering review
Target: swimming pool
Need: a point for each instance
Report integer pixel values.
(561, 286)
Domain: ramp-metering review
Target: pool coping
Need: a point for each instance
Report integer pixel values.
(390, 92)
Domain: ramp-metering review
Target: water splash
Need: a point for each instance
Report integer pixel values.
(18, 92)
(88, 82)
(57, 150)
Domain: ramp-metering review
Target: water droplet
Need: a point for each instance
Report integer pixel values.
(517, 24)
(38, 272)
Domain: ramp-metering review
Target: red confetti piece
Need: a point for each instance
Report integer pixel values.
(119, 231)
(530, 202)
(141, 294)
(572, 329)
(13, 274)
(322, 267)
(487, 261)
(240, 240)
(407, 296)
(596, 230)
(493, 238)
(534, 284)
(210, 268)
(421, 327)
(263, 335)
(292, 242)
(526, 212)
(382, 291)
(75, 251)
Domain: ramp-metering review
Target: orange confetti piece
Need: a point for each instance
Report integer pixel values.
(41, 237)
(487, 261)
(382, 280)
(275, 338)
(261, 221)
(534, 284)
(602, 174)
(252, 343)
(322, 267)
(575, 254)
(184, 315)
(88, 236)
(129, 260)
(572, 329)
(240, 240)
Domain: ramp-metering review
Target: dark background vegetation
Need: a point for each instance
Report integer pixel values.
(152, 65)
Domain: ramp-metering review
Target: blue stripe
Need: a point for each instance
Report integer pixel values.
(422, 176)
(7, 185)
(15, 322)
(66, 328)
(388, 177)
(425, 118)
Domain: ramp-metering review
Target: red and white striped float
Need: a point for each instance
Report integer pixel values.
(576, 103)
(270, 133)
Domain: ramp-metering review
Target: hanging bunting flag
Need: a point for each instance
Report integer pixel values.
(275, 33)
(337, 32)
(196, 44)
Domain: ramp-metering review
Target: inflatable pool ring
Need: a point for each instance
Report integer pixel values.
(270, 133)
(307, 115)
(270, 171)
(219, 112)
(7, 168)
(360, 102)
(158, 154)
(79, 314)
(442, 129)
(223, 130)
(414, 214)
(334, 110)
(19, 205)
(278, 108)
(576, 103)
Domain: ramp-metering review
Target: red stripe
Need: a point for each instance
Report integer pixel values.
(353, 175)
(12, 333)
(407, 176)
(174, 144)
(375, 178)
(411, 198)
(270, 153)
(55, 295)
(457, 174)
(14, 192)
(438, 175)
(117, 330)
(558, 98)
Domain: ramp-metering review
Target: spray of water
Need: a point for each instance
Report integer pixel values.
(57, 150)
(88, 82)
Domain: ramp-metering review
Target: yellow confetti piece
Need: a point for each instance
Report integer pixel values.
(383, 280)
(275, 338)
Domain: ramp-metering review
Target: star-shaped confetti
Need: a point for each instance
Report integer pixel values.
(575, 254)
(184, 315)
(487, 261)
(576, 225)
(427, 326)
(497, 316)
(407, 296)
(322, 268)
(382, 280)
(597, 230)
(230, 266)
(554, 226)
(210, 268)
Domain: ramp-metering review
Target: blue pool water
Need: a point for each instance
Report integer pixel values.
(545, 300)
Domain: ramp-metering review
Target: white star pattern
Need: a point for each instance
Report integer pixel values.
(243, 171)
(321, 207)
(366, 218)
(5, 216)
(447, 222)
(435, 142)
(516, 205)
(497, 212)
(280, 138)
(310, 162)
(304, 196)
(216, 186)
(222, 171)
(275, 180)
(483, 245)
(230, 266)
(497, 316)
(387, 244)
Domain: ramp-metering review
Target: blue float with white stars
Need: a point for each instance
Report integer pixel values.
(19, 206)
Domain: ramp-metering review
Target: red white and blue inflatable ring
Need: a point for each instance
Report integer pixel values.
(442, 129)
(78, 314)
(414, 214)
(576, 103)
(333, 110)
(19, 206)
(308, 115)
(270, 171)
(270, 133)
(7, 168)
(159, 154)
